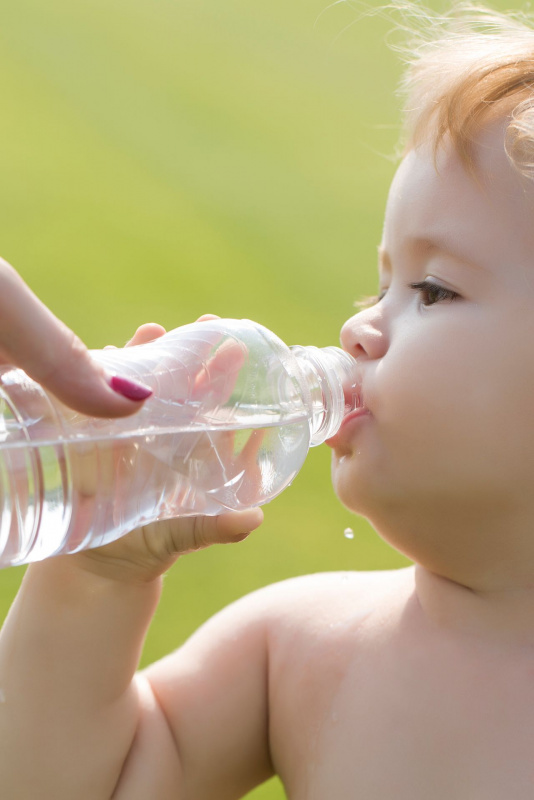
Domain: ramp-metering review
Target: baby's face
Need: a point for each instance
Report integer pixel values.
(447, 353)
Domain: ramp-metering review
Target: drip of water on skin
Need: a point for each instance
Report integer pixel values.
(348, 533)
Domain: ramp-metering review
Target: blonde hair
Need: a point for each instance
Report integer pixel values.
(466, 68)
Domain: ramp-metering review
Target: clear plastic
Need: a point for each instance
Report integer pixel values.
(232, 417)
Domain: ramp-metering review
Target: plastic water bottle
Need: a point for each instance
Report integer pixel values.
(233, 414)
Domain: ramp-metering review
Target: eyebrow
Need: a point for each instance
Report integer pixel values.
(424, 243)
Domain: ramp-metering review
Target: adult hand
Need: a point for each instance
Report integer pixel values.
(35, 340)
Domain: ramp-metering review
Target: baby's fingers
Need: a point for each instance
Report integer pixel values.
(194, 533)
(146, 333)
(147, 552)
(217, 377)
(168, 538)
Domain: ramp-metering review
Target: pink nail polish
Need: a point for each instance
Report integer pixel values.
(129, 389)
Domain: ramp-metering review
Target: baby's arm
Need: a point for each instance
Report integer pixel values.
(75, 719)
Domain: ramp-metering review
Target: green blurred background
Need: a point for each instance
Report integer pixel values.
(160, 159)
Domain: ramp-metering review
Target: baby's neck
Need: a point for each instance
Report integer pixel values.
(502, 616)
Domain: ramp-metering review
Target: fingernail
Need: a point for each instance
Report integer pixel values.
(130, 389)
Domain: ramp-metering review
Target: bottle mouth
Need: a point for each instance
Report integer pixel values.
(347, 371)
(351, 381)
(336, 388)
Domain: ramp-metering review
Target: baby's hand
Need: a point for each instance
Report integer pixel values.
(149, 551)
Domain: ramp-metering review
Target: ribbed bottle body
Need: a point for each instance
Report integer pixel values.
(233, 414)
(217, 435)
(66, 497)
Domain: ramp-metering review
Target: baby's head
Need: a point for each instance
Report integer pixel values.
(465, 70)
(442, 463)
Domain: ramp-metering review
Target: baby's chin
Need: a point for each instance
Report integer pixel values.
(361, 488)
(341, 452)
(348, 486)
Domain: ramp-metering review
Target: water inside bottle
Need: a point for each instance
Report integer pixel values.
(62, 496)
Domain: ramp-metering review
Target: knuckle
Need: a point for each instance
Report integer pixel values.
(167, 538)
(75, 348)
(200, 532)
(71, 354)
(159, 541)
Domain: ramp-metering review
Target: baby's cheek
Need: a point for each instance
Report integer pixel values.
(419, 413)
(420, 380)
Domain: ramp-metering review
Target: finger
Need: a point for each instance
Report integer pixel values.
(249, 453)
(32, 338)
(169, 368)
(252, 488)
(232, 526)
(207, 317)
(184, 534)
(218, 375)
(148, 332)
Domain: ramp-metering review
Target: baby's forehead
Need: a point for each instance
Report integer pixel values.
(486, 160)
(438, 196)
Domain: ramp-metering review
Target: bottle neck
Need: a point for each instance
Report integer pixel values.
(331, 376)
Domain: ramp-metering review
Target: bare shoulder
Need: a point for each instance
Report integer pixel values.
(317, 627)
(314, 611)
(328, 597)
(247, 690)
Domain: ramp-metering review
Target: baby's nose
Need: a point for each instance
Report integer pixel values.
(363, 335)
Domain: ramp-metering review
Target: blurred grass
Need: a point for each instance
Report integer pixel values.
(163, 159)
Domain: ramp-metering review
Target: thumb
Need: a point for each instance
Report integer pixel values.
(171, 537)
(232, 526)
(35, 340)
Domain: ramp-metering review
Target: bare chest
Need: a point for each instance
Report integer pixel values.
(399, 717)
(439, 739)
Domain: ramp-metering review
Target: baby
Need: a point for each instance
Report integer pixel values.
(416, 684)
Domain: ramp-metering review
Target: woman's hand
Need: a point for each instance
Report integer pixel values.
(32, 338)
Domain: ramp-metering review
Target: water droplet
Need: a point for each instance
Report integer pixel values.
(348, 533)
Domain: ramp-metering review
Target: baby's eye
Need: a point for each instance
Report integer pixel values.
(433, 293)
